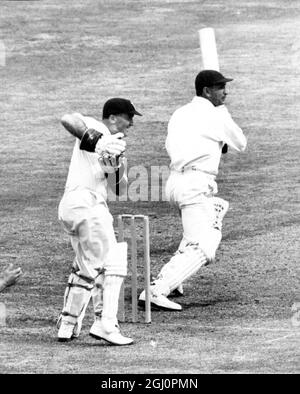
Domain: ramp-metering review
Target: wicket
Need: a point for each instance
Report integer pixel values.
(132, 219)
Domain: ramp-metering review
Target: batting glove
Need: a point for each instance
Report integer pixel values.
(94, 141)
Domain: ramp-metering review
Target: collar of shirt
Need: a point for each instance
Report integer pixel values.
(202, 101)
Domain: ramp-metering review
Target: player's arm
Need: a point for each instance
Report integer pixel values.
(74, 124)
(234, 135)
(92, 140)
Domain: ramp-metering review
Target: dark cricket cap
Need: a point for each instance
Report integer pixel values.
(208, 78)
(116, 106)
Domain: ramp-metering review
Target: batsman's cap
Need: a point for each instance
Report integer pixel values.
(208, 78)
(116, 106)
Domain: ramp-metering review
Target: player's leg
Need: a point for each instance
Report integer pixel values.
(220, 209)
(178, 292)
(115, 270)
(81, 281)
(76, 299)
(90, 243)
(202, 242)
(97, 296)
(106, 293)
(180, 267)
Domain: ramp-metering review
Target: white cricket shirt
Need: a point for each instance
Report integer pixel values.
(196, 133)
(85, 171)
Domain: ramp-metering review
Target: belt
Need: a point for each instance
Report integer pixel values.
(194, 168)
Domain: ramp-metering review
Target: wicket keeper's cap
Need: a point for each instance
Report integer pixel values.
(116, 106)
(208, 78)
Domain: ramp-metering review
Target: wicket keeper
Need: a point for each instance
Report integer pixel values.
(100, 262)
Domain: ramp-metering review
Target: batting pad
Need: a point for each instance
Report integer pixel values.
(221, 207)
(181, 267)
(111, 292)
(197, 221)
(76, 298)
(116, 261)
(97, 295)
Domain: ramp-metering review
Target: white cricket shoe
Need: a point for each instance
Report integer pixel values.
(65, 332)
(159, 301)
(111, 335)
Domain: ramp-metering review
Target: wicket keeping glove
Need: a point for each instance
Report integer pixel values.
(94, 141)
(114, 168)
(111, 163)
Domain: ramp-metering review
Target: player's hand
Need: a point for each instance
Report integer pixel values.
(113, 145)
(10, 275)
(111, 163)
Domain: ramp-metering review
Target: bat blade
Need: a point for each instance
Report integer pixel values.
(208, 46)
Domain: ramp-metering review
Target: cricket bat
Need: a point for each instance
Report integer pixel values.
(209, 54)
(208, 48)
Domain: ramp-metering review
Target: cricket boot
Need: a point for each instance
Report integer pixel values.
(110, 332)
(157, 298)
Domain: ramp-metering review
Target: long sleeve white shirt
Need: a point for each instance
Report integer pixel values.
(84, 170)
(196, 133)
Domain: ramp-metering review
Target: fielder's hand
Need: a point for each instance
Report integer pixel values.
(112, 145)
(9, 276)
(111, 163)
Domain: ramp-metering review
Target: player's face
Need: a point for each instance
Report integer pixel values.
(122, 123)
(218, 94)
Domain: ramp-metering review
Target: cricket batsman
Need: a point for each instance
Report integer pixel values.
(198, 132)
(100, 262)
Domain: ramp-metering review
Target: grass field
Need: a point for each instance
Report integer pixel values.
(64, 56)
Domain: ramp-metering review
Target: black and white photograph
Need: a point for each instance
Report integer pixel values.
(150, 190)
